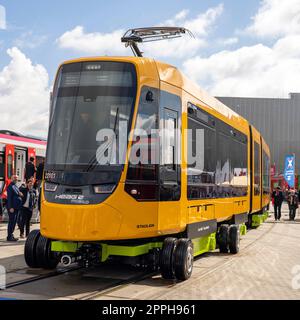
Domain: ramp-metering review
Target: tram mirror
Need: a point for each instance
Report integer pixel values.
(50, 105)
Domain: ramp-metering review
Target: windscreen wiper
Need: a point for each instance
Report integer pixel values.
(93, 162)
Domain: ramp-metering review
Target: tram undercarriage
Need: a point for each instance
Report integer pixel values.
(173, 255)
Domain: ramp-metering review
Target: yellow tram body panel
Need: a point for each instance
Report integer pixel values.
(220, 209)
(266, 179)
(256, 181)
(122, 217)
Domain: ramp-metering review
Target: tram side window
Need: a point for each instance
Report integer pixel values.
(144, 151)
(256, 169)
(201, 161)
(232, 162)
(223, 172)
(2, 173)
(221, 151)
(9, 166)
(2, 167)
(239, 160)
(266, 174)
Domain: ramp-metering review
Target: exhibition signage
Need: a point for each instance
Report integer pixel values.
(289, 171)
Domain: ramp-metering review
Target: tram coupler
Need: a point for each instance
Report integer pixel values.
(67, 259)
(90, 255)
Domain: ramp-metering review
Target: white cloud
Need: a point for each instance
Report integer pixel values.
(24, 95)
(2, 18)
(30, 40)
(109, 43)
(203, 22)
(228, 41)
(175, 48)
(185, 46)
(276, 18)
(288, 47)
(257, 71)
(179, 18)
(93, 43)
(201, 25)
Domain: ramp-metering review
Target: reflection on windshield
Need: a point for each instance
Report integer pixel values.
(76, 132)
(83, 107)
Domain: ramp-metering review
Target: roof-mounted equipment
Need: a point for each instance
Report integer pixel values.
(134, 36)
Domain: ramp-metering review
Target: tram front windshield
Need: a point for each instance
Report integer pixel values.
(88, 97)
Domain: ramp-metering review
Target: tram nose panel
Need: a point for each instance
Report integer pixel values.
(80, 223)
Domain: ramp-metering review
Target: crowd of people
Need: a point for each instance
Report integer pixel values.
(291, 196)
(21, 201)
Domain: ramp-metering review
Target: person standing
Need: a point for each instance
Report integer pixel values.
(39, 174)
(278, 197)
(1, 208)
(293, 203)
(28, 204)
(14, 204)
(30, 169)
(39, 179)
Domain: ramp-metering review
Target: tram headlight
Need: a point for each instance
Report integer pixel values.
(50, 187)
(104, 188)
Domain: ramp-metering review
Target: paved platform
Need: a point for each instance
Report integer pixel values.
(262, 270)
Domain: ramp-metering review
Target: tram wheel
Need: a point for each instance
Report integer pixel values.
(44, 256)
(234, 239)
(30, 249)
(184, 259)
(166, 258)
(223, 238)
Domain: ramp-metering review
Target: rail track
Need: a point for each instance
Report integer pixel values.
(173, 283)
(122, 283)
(51, 274)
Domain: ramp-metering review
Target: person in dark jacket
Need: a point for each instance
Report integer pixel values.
(38, 183)
(14, 204)
(28, 204)
(40, 171)
(1, 209)
(30, 169)
(278, 197)
(293, 203)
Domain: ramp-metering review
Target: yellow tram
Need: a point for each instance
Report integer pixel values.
(161, 212)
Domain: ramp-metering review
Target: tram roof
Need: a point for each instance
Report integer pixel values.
(11, 137)
(170, 74)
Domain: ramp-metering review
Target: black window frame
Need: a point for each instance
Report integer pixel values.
(10, 166)
(266, 173)
(222, 129)
(62, 91)
(2, 166)
(257, 169)
(166, 184)
(134, 173)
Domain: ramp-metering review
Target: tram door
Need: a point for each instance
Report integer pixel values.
(9, 161)
(2, 171)
(170, 156)
(170, 159)
(20, 162)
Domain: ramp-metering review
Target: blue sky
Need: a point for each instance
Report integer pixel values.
(48, 20)
(241, 48)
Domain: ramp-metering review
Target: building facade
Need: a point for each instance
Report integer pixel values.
(278, 120)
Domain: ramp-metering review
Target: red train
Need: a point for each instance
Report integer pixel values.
(15, 150)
